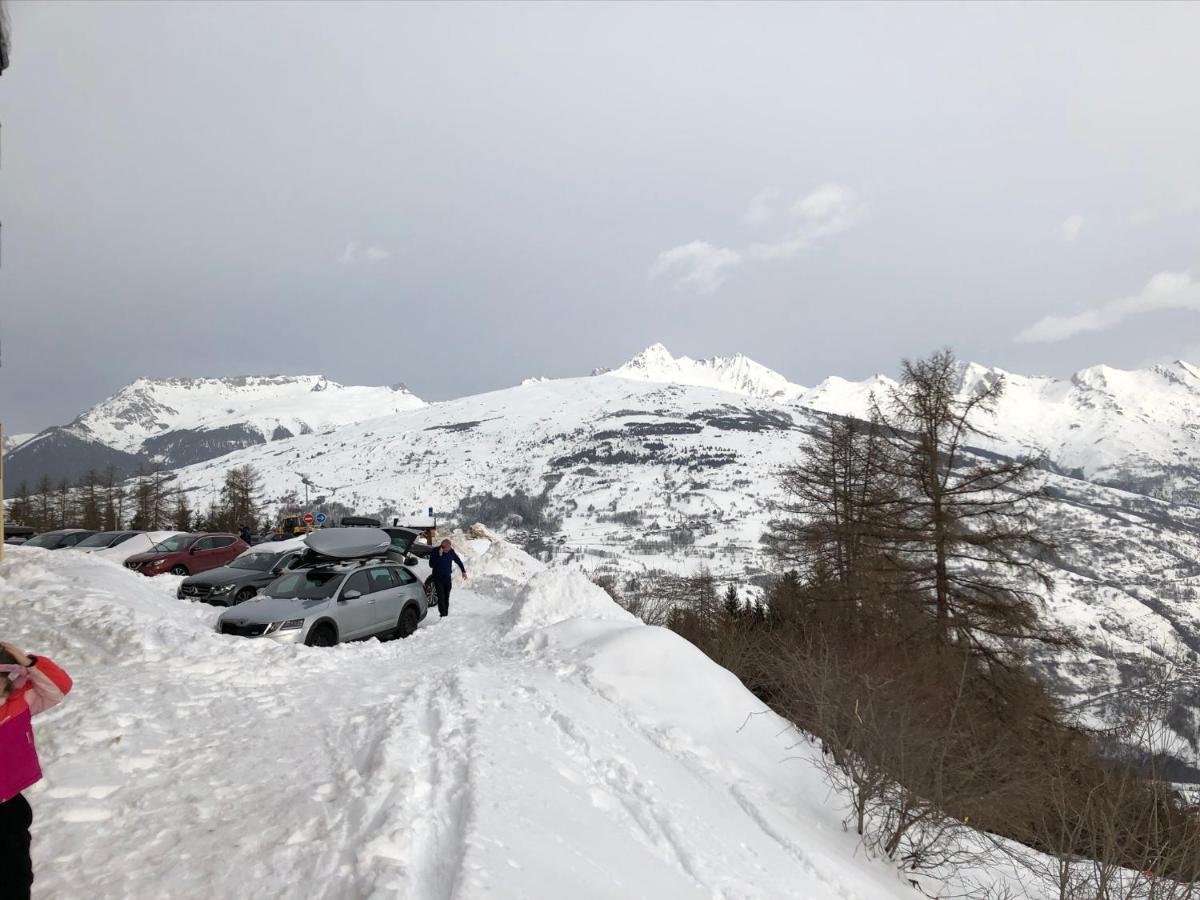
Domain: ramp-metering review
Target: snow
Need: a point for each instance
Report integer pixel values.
(595, 757)
(13, 441)
(557, 595)
(153, 407)
(139, 543)
(737, 374)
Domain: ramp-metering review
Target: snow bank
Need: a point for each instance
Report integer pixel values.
(557, 595)
(601, 758)
(82, 606)
(139, 543)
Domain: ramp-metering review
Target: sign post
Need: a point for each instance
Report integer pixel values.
(308, 520)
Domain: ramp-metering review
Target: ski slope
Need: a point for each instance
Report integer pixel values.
(538, 743)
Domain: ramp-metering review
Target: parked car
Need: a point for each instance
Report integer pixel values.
(102, 540)
(403, 549)
(243, 578)
(328, 603)
(186, 554)
(18, 534)
(60, 539)
(139, 543)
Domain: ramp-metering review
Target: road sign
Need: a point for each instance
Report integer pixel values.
(431, 512)
(321, 518)
(308, 518)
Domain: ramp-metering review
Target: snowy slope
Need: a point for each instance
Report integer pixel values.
(538, 743)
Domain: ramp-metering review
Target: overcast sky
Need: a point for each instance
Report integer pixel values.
(460, 196)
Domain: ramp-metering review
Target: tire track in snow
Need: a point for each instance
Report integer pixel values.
(444, 790)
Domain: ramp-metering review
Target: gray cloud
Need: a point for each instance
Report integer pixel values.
(357, 254)
(1166, 290)
(1070, 227)
(828, 210)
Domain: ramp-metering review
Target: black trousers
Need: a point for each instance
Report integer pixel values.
(442, 586)
(16, 867)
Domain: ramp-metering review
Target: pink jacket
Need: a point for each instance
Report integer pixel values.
(46, 686)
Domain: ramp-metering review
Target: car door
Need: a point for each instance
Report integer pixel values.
(355, 615)
(225, 548)
(409, 586)
(202, 555)
(386, 592)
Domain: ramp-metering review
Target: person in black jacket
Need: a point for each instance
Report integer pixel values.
(442, 560)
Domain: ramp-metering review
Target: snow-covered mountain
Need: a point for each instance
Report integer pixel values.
(1138, 430)
(633, 477)
(666, 464)
(176, 421)
(737, 374)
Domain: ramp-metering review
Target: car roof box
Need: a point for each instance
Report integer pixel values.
(349, 543)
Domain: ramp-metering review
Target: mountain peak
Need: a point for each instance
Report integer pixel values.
(738, 373)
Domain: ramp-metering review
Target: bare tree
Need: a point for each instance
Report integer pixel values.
(963, 528)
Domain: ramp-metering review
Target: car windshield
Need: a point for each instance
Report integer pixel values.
(103, 539)
(258, 562)
(49, 539)
(310, 584)
(172, 544)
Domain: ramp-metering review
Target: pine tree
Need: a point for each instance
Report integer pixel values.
(64, 504)
(21, 512)
(239, 499)
(182, 515)
(90, 512)
(113, 500)
(44, 504)
(732, 603)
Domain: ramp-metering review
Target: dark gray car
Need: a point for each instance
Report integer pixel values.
(240, 580)
(60, 539)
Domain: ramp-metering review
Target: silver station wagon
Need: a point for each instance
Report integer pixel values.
(330, 602)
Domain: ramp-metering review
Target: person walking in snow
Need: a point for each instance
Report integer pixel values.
(28, 685)
(442, 560)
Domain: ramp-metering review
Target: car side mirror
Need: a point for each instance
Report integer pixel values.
(277, 572)
(351, 595)
(192, 550)
(410, 560)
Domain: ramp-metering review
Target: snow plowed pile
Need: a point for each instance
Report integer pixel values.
(542, 745)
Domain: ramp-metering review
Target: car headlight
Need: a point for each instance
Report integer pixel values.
(289, 625)
(224, 588)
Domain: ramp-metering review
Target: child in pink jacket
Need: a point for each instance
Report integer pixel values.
(28, 685)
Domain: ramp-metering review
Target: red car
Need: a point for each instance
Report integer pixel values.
(187, 554)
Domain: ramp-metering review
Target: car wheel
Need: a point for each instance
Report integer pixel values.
(430, 593)
(243, 595)
(408, 622)
(179, 569)
(321, 636)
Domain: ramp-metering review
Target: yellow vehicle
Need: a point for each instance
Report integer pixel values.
(292, 525)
